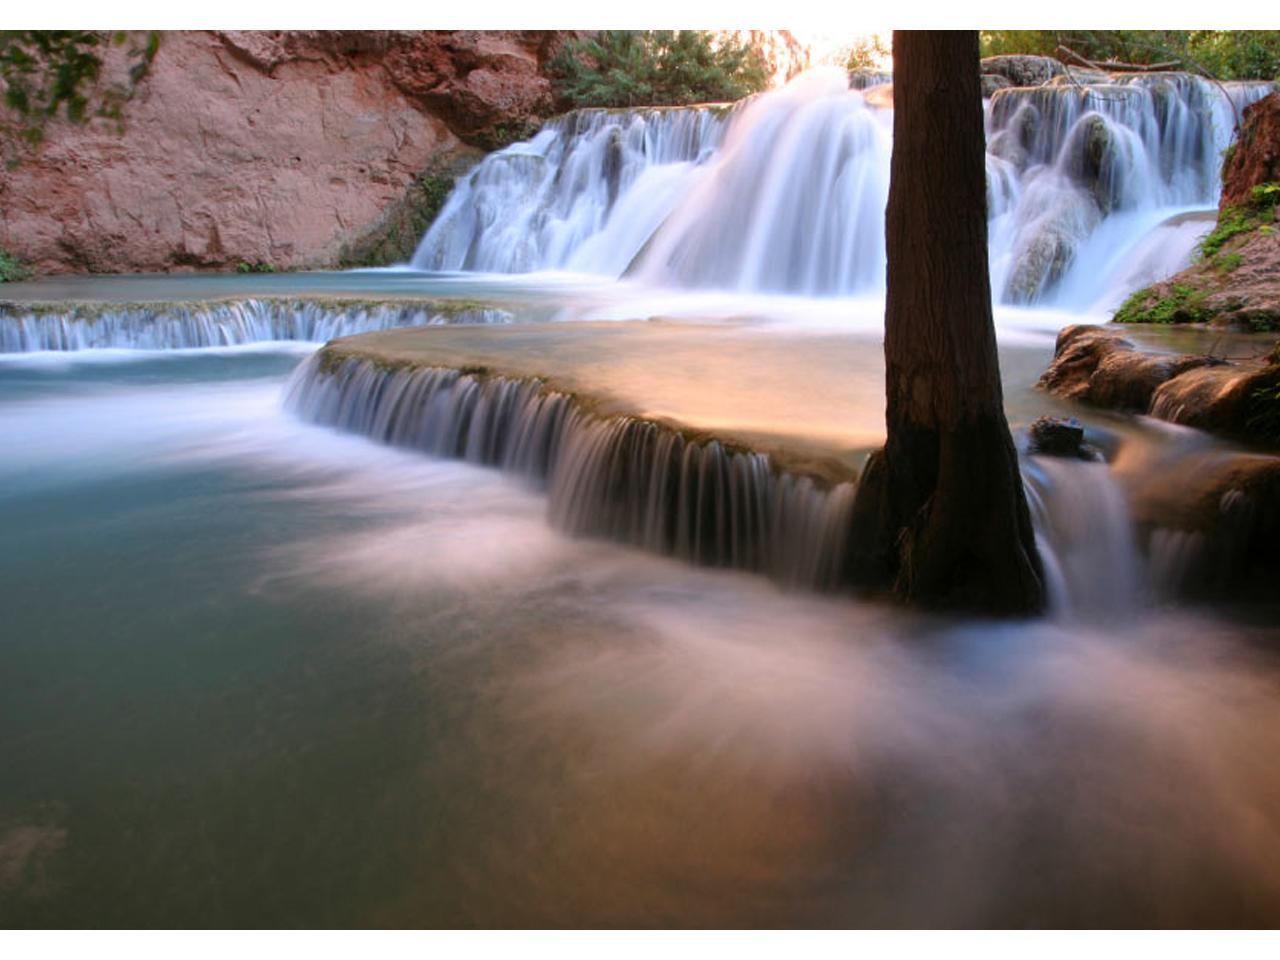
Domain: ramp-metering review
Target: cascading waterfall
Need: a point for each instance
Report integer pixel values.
(1086, 170)
(794, 202)
(786, 193)
(176, 326)
(640, 482)
(626, 479)
(584, 194)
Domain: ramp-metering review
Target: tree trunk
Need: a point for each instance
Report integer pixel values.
(941, 515)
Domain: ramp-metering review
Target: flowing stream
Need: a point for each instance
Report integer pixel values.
(287, 644)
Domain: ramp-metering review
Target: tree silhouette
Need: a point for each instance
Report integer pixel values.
(941, 516)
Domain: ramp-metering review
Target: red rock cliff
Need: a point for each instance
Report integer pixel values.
(271, 147)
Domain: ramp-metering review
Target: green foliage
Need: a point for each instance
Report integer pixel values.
(1183, 304)
(1224, 54)
(402, 225)
(629, 68)
(11, 269)
(47, 72)
(1263, 417)
(244, 266)
(1227, 262)
(867, 53)
(1233, 221)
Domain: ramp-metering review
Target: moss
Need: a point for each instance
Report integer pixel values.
(1228, 262)
(396, 234)
(1182, 304)
(1258, 214)
(505, 134)
(12, 270)
(1263, 421)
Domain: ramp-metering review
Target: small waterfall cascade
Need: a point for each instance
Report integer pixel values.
(1085, 533)
(622, 478)
(785, 193)
(178, 326)
(584, 194)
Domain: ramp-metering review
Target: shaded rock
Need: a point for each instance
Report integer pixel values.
(1091, 156)
(1023, 70)
(1099, 367)
(1040, 264)
(1255, 159)
(1060, 437)
(1227, 399)
(1212, 525)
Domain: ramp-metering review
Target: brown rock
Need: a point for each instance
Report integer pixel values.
(1212, 523)
(1256, 156)
(1222, 399)
(1238, 400)
(1097, 366)
(279, 147)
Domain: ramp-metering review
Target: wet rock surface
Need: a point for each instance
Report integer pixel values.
(1233, 399)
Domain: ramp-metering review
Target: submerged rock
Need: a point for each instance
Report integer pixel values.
(1212, 525)
(1060, 437)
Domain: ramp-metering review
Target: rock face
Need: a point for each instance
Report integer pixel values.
(1096, 366)
(1256, 157)
(1237, 282)
(279, 148)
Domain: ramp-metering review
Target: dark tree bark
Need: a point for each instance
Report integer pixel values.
(941, 515)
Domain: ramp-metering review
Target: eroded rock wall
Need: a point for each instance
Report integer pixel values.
(278, 147)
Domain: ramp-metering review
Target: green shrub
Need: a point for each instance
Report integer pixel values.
(1183, 304)
(1228, 262)
(244, 266)
(11, 269)
(1257, 214)
(629, 68)
(1224, 54)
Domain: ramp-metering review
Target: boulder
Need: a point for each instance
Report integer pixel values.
(1060, 437)
(1237, 400)
(1097, 366)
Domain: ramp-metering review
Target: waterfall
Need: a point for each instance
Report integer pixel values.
(176, 325)
(786, 191)
(1085, 534)
(623, 478)
(584, 194)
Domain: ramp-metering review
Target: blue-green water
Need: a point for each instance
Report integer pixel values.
(254, 673)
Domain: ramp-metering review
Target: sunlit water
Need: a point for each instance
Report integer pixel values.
(256, 672)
